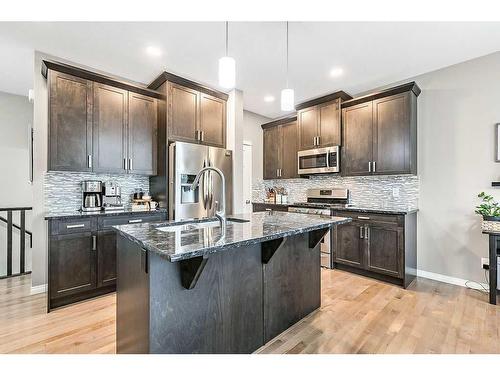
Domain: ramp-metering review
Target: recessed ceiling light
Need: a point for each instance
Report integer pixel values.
(336, 72)
(153, 51)
(269, 98)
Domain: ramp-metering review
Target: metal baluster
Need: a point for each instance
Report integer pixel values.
(9, 243)
(22, 242)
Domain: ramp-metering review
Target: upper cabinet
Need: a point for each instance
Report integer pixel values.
(109, 130)
(319, 121)
(142, 133)
(380, 133)
(194, 113)
(280, 141)
(70, 123)
(98, 123)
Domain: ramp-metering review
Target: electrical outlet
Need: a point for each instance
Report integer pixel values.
(395, 192)
(485, 263)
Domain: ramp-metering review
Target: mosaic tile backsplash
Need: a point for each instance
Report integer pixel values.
(62, 190)
(367, 191)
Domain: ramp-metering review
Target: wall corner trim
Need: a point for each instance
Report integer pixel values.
(448, 279)
(37, 289)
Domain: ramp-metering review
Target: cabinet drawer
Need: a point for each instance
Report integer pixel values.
(107, 222)
(369, 217)
(72, 226)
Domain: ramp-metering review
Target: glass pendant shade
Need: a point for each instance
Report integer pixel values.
(227, 72)
(287, 100)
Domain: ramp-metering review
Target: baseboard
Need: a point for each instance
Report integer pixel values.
(39, 289)
(448, 279)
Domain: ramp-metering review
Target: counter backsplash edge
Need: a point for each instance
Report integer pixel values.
(62, 190)
(366, 191)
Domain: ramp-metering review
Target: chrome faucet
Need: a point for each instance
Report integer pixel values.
(221, 213)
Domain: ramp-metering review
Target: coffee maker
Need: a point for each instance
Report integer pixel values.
(112, 196)
(91, 195)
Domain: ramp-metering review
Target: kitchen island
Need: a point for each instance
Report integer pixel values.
(186, 287)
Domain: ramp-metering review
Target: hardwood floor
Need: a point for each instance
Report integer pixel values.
(358, 315)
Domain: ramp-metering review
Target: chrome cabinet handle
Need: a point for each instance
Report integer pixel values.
(130, 164)
(72, 226)
(318, 140)
(125, 163)
(374, 166)
(277, 172)
(367, 233)
(132, 221)
(363, 217)
(94, 243)
(202, 135)
(268, 209)
(369, 166)
(89, 161)
(314, 141)
(196, 135)
(361, 232)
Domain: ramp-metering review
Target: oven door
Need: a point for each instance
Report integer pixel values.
(320, 160)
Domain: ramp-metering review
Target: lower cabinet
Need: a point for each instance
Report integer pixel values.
(82, 256)
(259, 207)
(381, 246)
(349, 247)
(72, 256)
(106, 258)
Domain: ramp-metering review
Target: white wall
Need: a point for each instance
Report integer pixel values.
(457, 111)
(253, 132)
(16, 112)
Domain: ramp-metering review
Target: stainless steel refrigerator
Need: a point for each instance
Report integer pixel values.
(185, 161)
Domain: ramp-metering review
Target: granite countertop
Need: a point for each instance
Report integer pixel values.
(192, 242)
(80, 214)
(387, 209)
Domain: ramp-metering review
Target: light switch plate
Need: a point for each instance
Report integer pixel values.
(395, 192)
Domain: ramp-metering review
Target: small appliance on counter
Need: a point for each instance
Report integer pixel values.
(112, 197)
(91, 195)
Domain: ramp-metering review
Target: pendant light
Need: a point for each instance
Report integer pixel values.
(287, 94)
(227, 68)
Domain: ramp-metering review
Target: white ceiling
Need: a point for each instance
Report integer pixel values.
(371, 54)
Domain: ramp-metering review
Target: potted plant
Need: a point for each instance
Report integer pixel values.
(489, 209)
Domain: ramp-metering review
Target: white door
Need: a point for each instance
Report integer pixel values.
(247, 176)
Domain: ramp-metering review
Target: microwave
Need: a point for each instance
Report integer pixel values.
(319, 160)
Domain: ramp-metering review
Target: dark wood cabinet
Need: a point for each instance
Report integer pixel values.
(106, 258)
(357, 143)
(272, 152)
(195, 116)
(142, 134)
(72, 264)
(393, 124)
(380, 133)
(109, 129)
(261, 207)
(377, 245)
(212, 120)
(82, 255)
(97, 124)
(70, 122)
(289, 148)
(182, 113)
(280, 142)
(308, 127)
(329, 123)
(319, 126)
(349, 247)
(384, 248)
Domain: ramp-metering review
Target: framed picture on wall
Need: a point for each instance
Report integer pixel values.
(497, 142)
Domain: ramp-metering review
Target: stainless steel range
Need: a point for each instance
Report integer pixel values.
(321, 202)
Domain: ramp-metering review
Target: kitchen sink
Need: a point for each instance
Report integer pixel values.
(184, 227)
